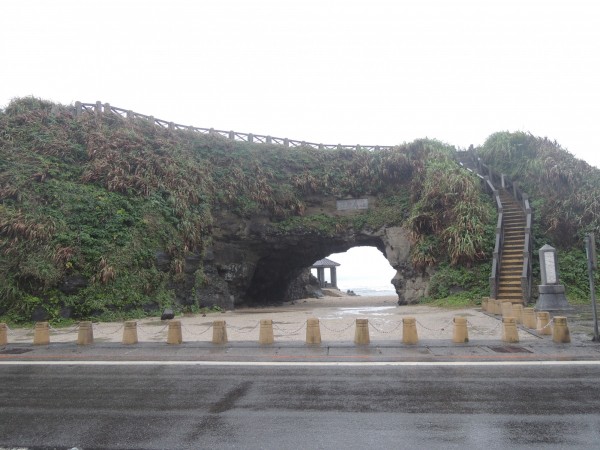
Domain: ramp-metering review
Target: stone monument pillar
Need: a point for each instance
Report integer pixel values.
(552, 293)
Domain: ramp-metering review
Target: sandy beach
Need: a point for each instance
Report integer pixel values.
(336, 316)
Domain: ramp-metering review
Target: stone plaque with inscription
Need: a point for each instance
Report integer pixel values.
(550, 266)
(353, 204)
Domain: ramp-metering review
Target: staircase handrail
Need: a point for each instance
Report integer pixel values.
(487, 177)
(497, 255)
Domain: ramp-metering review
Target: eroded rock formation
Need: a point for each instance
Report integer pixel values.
(252, 261)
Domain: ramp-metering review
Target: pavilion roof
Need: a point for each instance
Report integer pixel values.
(325, 263)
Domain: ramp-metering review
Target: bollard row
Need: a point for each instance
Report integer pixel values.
(514, 314)
(526, 316)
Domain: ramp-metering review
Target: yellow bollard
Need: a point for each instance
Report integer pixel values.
(409, 330)
(130, 333)
(361, 332)
(461, 334)
(543, 321)
(509, 330)
(484, 303)
(41, 334)
(266, 332)
(174, 334)
(517, 310)
(529, 318)
(560, 331)
(86, 333)
(313, 331)
(220, 332)
(493, 306)
(506, 309)
(3, 334)
(497, 307)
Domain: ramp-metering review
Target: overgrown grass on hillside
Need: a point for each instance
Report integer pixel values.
(566, 190)
(95, 199)
(565, 197)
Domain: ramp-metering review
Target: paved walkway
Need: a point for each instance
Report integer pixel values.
(337, 317)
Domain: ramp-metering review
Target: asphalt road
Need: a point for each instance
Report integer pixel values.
(194, 406)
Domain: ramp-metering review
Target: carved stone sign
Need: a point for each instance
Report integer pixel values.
(352, 204)
(550, 266)
(552, 293)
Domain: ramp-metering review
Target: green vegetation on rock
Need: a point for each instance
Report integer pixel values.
(88, 205)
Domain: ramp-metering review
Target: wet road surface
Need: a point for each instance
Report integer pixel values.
(162, 406)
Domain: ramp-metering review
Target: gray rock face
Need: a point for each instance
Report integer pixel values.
(252, 261)
(73, 284)
(410, 285)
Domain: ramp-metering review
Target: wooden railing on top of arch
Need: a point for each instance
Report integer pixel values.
(99, 109)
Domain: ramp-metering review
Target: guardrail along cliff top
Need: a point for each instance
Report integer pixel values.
(99, 109)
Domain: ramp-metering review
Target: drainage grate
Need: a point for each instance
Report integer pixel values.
(510, 349)
(14, 351)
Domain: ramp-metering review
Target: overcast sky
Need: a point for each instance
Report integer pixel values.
(368, 72)
(351, 72)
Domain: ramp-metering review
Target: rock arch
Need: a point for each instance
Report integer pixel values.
(250, 262)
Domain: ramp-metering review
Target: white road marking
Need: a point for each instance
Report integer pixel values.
(301, 363)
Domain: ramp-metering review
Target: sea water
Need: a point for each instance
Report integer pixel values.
(371, 291)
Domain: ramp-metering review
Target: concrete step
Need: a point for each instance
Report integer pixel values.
(513, 299)
(514, 244)
(509, 261)
(511, 271)
(512, 284)
(510, 281)
(520, 225)
(514, 273)
(506, 262)
(516, 292)
(514, 238)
